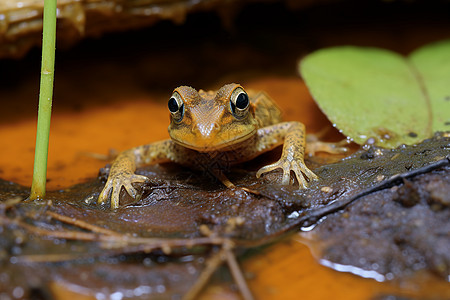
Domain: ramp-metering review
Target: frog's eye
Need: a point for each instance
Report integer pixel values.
(176, 107)
(239, 103)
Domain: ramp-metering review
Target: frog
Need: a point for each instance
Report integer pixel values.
(230, 126)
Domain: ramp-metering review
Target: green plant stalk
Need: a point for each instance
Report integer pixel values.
(45, 101)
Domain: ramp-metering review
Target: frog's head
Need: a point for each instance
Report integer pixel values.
(208, 121)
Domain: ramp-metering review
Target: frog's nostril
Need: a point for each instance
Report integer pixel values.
(206, 130)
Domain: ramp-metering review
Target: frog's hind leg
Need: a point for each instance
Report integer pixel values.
(226, 182)
(223, 178)
(313, 145)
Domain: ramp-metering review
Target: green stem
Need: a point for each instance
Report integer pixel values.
(45, 100)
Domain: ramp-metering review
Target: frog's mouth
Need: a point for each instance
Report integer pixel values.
(216, 143)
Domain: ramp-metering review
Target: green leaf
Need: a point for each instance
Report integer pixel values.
(376, 93)
(433, 64)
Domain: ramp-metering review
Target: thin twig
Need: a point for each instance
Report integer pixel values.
(49, 258)
(8, 203)
(225, 254)
(67, 234)
(143, 244)
(237, 273)
(211, 266)
(82, 224)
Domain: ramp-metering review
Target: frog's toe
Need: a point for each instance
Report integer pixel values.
(298, 174)
(111, 188)
(286, 179)
(115, 194)
(134, 179)
(104, 195)
(302, 173)
(267, 169)
(138, 178)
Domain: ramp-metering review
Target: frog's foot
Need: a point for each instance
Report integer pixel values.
(114, 185)
(314, 145)
(299, 168)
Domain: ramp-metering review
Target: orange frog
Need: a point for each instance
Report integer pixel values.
(216, 129)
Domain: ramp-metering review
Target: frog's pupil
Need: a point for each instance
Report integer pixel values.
(242, 101)
(173, 105)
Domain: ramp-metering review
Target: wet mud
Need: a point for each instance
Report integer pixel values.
(394, 232)
(380, 210)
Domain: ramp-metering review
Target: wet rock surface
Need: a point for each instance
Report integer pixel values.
(386, 211)
(394, 232)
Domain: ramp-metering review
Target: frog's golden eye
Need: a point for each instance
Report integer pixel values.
(239, 103)
(176, 107)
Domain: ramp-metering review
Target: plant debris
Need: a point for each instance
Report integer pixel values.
(186, 224)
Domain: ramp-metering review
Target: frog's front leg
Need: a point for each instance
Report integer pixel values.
(123, 167)
(292, 157)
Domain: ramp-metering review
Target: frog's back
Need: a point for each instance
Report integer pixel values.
(267, 111)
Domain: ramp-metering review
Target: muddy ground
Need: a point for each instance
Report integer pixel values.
(381, 211)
